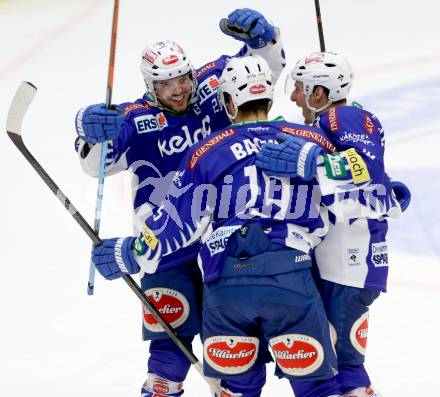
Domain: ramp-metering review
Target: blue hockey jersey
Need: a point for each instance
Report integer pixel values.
(355, 251)
(217, 189)
(152, 141)
(360, 136)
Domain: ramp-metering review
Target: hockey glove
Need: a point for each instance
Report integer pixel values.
(96, 123)
(402, 194)
(249, 26)
(114, 258)
(294, 157)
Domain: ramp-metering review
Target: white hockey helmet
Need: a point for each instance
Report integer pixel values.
(245, 79)
(163, 61)
(326, 69)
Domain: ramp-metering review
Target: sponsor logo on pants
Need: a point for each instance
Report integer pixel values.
(297, 354)
(171, 304)
(359, 333)
(230, 354)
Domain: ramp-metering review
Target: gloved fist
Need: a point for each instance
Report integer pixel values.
(249, 26)
(96, 123)
(293, 157)
(114, 258)
(402, 194)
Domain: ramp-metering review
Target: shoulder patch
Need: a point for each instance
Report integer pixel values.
(311, 136)
(135, 106)
(200, 72)
(358, 168)
(207, 88)
(208, 145)
(369, 126)
(332, 119)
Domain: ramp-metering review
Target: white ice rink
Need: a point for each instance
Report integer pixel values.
(57, 341)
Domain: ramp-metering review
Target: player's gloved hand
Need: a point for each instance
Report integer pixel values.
(294, 157)
(96, 123)
(249, 26)
(114, 258)
(402, 194)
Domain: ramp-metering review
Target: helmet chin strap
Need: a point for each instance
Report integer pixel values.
(232, 116)
(315, 111)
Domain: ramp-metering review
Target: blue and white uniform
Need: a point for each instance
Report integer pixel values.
(349, 255)
(258, 234)
(353, 258)
(151, 143)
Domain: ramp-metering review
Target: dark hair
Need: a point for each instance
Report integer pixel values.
(254, 106)
(251, 107)
(327, 92)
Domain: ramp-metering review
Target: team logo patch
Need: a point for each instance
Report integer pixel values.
(369, 125)
(359, 333)
(297, 354)
(230, 354)
(257, 89)
(171, 304)
(170, 60)
(333, 122)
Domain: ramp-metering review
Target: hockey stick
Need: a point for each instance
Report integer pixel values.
(104, 146)
(25, 94)
(319, 22)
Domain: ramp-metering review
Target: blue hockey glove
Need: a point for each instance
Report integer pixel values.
(249, 26)
(294, 157)
(114, 258)
(402, 194)
(96, 123)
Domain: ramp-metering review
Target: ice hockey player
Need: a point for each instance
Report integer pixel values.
(258, 232)
(149, 138)
(353, 258)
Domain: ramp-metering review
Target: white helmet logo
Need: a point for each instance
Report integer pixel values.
(315, 58)
(170, 60)
(257, 89)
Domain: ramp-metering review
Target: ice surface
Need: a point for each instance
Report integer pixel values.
(57, 341)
